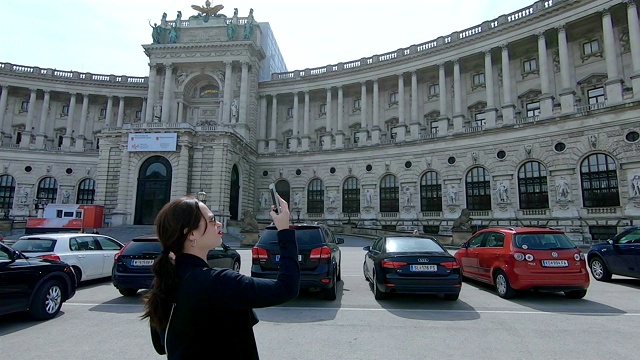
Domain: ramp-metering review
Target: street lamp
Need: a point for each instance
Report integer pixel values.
(202, 196)
(298, 215)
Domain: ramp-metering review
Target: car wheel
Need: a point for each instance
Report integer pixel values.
(575, 294)
(377, 293)
(332, 292)
(78, 273)
(47, 301)
(503, 287)
(339, 277)
(451, 297)
(599, 269)
(364, 272)
(128, 292)
(236, 266)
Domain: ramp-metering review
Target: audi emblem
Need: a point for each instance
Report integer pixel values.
(554, 254)
(423, 260)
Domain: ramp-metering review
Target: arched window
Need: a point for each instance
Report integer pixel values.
(532, 186)
(389, 194)
(478, 187)
(430, 192)
(48, 189)
(599, 181)
(315, 197)
(86, 192)
(7, 191)
(351, 195)
(209, 91)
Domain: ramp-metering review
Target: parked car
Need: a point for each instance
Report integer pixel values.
(33, 285)
(318, 253)
(90, 255)
(525, 258)
(416, 264)
(131, 270)
(617, 256)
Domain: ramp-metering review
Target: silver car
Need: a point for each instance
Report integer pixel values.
(90, 255)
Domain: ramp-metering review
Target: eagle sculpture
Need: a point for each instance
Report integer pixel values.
(207, 10)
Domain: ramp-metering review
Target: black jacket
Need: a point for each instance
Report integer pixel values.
(213, 312)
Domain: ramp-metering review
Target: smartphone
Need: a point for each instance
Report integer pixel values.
(274, 197)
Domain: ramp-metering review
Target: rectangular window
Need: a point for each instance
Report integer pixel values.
(434, 128)
(479, 120)
(67, 214)
(288, 143)
(24, 106)
(59, 213)
(356, 137)
(533, 109)
(323, 109)
(591, 47)
(478, 79)
(138, 114)
(393, 97)
(596, 95)
(103, 113)
(602, 233)
(434, 89)
(290, 112)
(356, 104)
(529, 65)
(65, 110)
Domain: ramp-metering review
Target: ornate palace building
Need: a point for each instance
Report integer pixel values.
(527, 119)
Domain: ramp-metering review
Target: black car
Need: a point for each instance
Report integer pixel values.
(416, 264)
(617, 256)
(131, 269)
(318, 253)
(33, 285)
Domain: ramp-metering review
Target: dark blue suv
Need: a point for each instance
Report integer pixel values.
(617, 256)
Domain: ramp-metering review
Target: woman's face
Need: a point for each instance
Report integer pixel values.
(212, 236)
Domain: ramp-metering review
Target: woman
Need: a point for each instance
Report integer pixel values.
(192, 306)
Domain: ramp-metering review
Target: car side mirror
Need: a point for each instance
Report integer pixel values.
(339, 240)
(367, 248)
(464, 246)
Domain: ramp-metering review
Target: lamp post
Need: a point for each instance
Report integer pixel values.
(39, 204)
(298, 215)
(202, 197)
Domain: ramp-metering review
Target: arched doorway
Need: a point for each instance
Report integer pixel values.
(154, 189)
(234, 193)
(284, 190)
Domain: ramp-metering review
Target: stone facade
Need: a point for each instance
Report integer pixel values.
(527, 119)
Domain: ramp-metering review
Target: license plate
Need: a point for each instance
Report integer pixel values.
(555, 263)
(141, 262)
(423, 268)
(278, 258)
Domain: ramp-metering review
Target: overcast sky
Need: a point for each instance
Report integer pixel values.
(105, 37)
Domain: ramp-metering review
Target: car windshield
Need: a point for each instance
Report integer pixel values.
(543, 242)
(411, 244)
(34, 245)
(309, 236)
(137, 247)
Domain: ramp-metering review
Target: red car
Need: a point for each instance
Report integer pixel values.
(525, 258)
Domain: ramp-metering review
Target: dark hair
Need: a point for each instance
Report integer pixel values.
(173, 223)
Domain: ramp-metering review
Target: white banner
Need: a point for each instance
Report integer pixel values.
(152, 142)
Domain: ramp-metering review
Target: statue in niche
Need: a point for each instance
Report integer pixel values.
(234, 111)
(503, 192)
(65, 196)
(181, 78)
(407, 196)
(635, 186)
(264, 200)
(332, 198)
(22, 195)
(563, 189)
(232, 27)
(248, 26)
(297, 199)
(367, 197)
(452, 194)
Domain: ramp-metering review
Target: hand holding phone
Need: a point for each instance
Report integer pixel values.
(274, 198)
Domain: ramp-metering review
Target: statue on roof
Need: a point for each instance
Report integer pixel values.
(232, 26)
(206, 11)
(248, 26)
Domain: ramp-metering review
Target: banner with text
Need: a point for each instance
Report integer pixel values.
(152, 142)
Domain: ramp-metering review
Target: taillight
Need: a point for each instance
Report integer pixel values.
(50, 257)
(117, 255)
(392, 264)
(578, 256)
(451, 264)
(259, 254)
(520, 256)
(320, 253)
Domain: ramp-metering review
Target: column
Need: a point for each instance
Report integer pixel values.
(28, 129)
(415, 121)
(508, 108)
(567, 94)
(339, 133)
(3, 106)
(375, 130)
(182, 176)
(490, 111)
(244, 88)
(634, 42)
(226, 103)
(401, 128)
(120, 113)
(80, 139)
(305, 119)
(458, 116)
(180, 111)
(166, 93)
(262, 125)
(123, 186)
(273, 138)
(443, 119)
(327, 137)
(363, 134)
(546, 98)
(68, 134)
(151, 93)
(296, 133)
(44, 114)
(613, 85)
(109, 116)
(143, 115)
